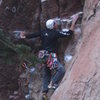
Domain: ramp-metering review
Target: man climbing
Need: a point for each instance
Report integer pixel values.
(49, 38)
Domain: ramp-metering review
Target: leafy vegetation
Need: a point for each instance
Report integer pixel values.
(10, 53)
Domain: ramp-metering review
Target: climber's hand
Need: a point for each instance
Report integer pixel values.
(22, 34)
(75, 17)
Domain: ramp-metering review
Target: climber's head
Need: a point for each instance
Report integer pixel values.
(52, 24)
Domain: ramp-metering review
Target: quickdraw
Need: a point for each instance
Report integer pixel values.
(52, 61)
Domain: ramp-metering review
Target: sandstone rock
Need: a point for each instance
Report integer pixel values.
(69, 7)
(82, 80)
(32, 15)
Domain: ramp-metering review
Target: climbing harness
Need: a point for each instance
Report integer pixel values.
(52, 61)
(50, 58)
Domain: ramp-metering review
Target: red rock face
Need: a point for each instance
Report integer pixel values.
(81, 81)
(68, 7)
(31, 15)
(19, 14)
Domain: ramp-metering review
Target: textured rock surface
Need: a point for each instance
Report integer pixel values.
(81, 81)
(31, 15)
(19, 14)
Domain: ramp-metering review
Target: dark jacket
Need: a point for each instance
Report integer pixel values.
(49, 38)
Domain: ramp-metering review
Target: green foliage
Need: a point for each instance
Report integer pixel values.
(10, 53)
(7, 52)
(24, 54)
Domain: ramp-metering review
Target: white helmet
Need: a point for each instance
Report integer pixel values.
(50, 23)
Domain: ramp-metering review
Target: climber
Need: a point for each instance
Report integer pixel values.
(49, 37)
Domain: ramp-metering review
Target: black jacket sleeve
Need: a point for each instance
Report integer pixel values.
(33, 35)
(62, 34)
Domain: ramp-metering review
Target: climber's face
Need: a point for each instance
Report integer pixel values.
(55, 25)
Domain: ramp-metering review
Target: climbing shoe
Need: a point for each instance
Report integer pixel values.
(44, 96)
(54, 86)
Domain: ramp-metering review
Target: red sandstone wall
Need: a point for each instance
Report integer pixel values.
(82, 79)
(31, 14)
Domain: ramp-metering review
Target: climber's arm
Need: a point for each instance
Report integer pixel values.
(70, 31)
(29, 36)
